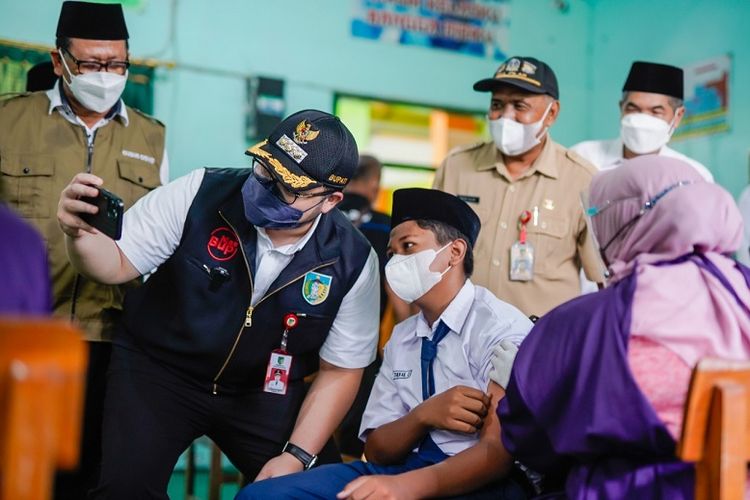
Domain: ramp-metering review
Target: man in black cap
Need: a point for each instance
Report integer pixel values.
(430, 426)
(525, 189)
(257, 274)
(81, 125)
(651, 109)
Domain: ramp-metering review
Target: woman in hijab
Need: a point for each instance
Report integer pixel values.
(598, 387)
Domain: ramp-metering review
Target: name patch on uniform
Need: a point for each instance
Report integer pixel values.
(139, 156)
(222, 244)
(468, 198)
(315, 288)
(401, 374)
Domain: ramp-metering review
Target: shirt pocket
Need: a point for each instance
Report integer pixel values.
(27, 184)
(548, 238)
(139, 177)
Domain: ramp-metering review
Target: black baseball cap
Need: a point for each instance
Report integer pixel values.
(526, 73)
(309, 149)
(655, 78)
(92, 21)
(432, 204)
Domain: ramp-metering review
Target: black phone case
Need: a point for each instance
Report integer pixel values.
(108, 219)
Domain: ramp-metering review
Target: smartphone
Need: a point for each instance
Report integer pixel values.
(108, 219)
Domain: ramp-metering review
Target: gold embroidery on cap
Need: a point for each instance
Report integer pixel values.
(290, 179)
(304, 132)
(337, 179)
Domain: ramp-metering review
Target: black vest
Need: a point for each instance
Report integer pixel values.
(197, 325)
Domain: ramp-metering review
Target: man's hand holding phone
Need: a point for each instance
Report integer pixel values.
(86, 207)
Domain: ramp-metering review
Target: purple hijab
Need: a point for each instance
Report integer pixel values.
(572, 404)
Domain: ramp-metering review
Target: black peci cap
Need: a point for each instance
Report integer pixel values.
(526, 73)
(423, 204)
(309, 149)
(92, 21)
(656, 79)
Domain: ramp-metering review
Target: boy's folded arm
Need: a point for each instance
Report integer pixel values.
(459, 409)
(479, 465)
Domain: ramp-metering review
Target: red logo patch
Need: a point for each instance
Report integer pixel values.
(223, 244)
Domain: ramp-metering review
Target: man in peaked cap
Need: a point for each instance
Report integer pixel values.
(433, 392)
(257, 271)
(651, 109)
(525, 189)
(81, 125)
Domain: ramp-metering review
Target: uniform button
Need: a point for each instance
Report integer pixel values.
(495, 262)
(512, 189)
(504, 225)
(544, 225)
(26, 170)
(140, 179)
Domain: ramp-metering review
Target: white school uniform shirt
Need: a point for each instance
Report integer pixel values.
(152, 230)
(606, 155)
(478, 321)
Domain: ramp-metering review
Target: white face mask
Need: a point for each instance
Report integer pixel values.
(97, 91)
(642, 133)
(409, 276)
(513, 138)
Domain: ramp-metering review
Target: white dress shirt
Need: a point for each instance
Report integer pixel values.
(119, 110)
(478, 320)
(606, 155)
(152, 229)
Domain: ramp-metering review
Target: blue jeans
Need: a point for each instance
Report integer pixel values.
(326, 481)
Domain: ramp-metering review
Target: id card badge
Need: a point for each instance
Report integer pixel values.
(277, 373)
(521, 261)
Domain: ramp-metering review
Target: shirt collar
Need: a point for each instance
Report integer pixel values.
(545, 163)
(58, 100)
(291, 248)
(454, 315)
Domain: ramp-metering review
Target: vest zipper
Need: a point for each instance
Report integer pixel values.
(77, 283)
(250, 308)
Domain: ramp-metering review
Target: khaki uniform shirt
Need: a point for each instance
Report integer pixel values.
(550, 190)
(40, 152)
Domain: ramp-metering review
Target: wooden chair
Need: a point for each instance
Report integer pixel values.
(42, 378)
(716, 429)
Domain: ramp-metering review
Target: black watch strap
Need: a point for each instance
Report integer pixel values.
(307, 460)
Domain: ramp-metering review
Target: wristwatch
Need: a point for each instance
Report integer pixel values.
(308, 461)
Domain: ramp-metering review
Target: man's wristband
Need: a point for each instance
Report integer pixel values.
(308, 460)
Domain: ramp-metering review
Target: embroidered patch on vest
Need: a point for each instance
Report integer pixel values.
(223, 244)
(139, 156)
(315, 288)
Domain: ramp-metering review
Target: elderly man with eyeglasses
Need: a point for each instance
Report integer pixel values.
(81, 125)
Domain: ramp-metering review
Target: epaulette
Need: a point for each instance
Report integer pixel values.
(147, 116)
(580, 160)
(11, 95)
(465, 147)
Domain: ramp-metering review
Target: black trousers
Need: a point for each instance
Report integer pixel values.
(152, 414)
(73, 485)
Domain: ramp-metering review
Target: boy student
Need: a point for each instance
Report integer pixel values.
(430, 428)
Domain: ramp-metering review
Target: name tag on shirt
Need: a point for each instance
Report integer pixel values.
(401, 374)
(468, 198)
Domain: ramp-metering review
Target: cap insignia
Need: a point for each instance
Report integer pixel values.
(291, 148)
(304, 132)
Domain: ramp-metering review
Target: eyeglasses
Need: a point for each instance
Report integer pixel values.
(118, 67)
(264, 176)
(592, 211)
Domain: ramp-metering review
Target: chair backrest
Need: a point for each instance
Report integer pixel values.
(716, 428)
(42, 378)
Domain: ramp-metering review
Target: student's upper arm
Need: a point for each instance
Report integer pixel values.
(384, 405)
(152, 227)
